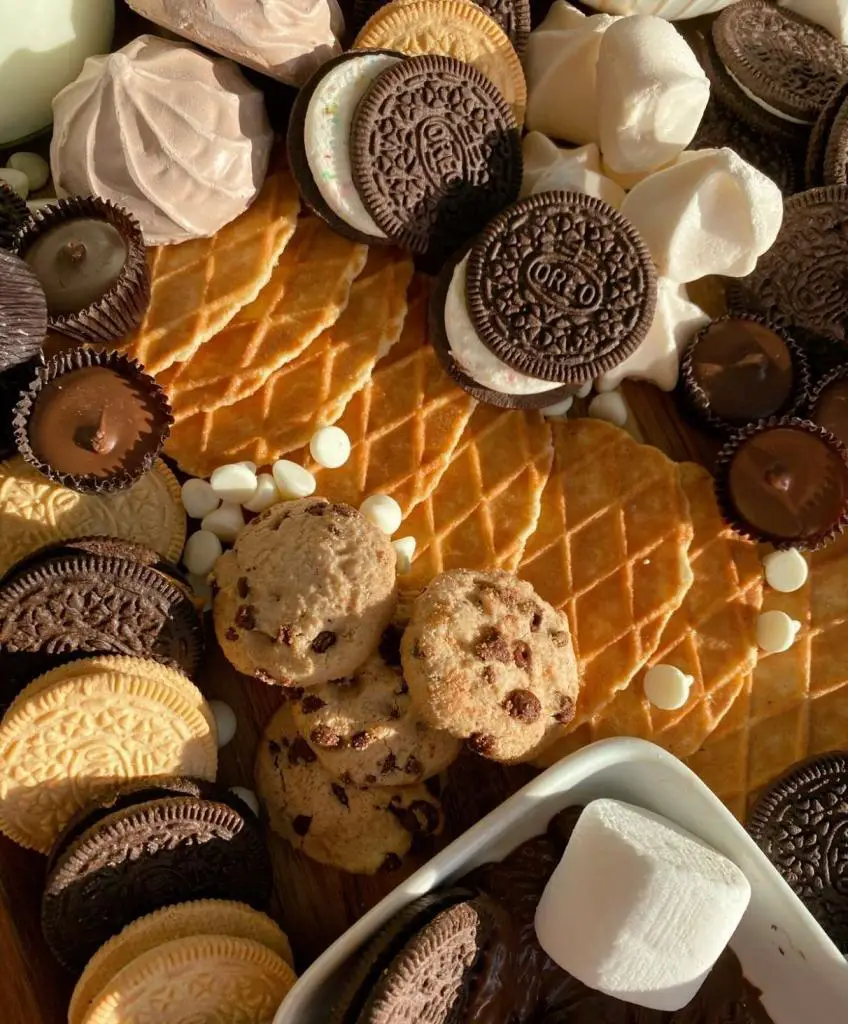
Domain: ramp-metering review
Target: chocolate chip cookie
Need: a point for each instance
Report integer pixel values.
(489, 661)
(305, 594)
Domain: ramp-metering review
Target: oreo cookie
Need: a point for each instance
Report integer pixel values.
(786, 64)
(147, 855)
(814, 164)
(801, 824)
(835, 166)
(14, 214)
(435, 154)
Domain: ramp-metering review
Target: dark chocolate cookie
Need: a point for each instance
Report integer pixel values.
(786, 62)
(76, 602)
(133, 861)
(561, 286)
(801, 824)
(435, 152)
(14, 213)
(819, 137)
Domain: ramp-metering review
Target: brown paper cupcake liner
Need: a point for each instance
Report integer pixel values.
(14, 214)
(727, 506)
(838, 373)
(143, 455)
(698, 401)
(121, 309)
(23, 313)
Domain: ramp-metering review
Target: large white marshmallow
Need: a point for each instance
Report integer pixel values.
(548, 167)
(676, 321)
(559, 63)
(638, 908)
(651, 94)
(709, 213)
(830, 14)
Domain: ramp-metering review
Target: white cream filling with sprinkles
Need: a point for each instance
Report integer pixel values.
(326, 136)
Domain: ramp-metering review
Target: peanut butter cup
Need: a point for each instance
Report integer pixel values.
(829, 403)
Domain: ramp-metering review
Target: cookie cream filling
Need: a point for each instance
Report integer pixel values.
(762, 103)
(326, 136)
(473, 356)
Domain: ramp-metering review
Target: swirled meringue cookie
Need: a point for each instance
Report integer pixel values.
(179, 139)
(548, 168)
(286, 39)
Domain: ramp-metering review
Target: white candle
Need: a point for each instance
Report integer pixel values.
(43, 46)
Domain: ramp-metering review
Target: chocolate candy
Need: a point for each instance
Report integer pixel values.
(784, 481)
(829, 404)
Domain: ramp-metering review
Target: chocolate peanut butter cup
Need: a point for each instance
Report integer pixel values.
(828, 405)
(14, 213)
(92, 420)
(784, 481)
(23, 313)
(739, 370)
(90, 258)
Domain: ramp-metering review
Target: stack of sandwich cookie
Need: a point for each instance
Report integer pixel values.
(826, 151)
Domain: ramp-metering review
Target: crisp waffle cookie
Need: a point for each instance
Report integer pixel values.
(198, 286)
(611, 550)
(711, 636)
(487, 503)
(793, 706)
(313, 389)
(403, 425)
(307, 291)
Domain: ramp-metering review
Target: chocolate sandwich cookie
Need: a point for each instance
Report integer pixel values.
(817, 147)
(835, 168)
(14, 213)
(787, 64)
(829, 403)
(71, 603)
(801, 824)
(435, 152)
(145, 856)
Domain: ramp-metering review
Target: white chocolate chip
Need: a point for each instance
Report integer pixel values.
(786, 571)
(198, 498)
(405, 549)
(776, 632)
(383, 511)
(201, 588)
(265, 495)
(202, 551)
(35, 167)
(585, 389)
(559, 410)
(16, 180)
(293, 481)
(248, 796)
(330, 447)
(225, 522)
(225, 719)
(666, 687)
(611, 407)
(235, 482)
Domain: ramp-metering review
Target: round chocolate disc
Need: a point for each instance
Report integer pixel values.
(561, 287)
(786, 481)
(435, 152)
(801, 824)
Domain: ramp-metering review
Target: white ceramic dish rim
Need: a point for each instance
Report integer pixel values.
(791, 943)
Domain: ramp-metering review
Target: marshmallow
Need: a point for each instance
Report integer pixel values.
(247, 796)
(638, 908)
(225, 522)
(786, 571)
(265, 495)
(610, 407)
(776, 632)
(548, 168)
(293, 481)
(651, 94)
(710, 213)
(235, 482)
(405, 550)
(225, 720)
(16, 180)
(560, 410)
(201, 552)
(330, 447)
(830, 14)
(198, 498)
(250, 465)
(560, 66)
(671, 10)
(35, 167)
(383, 511)
(666, 687)
(657, 359)
(584, 390)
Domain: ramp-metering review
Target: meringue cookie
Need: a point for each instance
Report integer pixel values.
(559, 64)
(285, 39)
(179, 139)
(657, 359)
(671, 10)
(830, 14)
(651, 94)
(710, 213)
(547, 168)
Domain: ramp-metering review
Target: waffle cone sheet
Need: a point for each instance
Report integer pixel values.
(711, 637)
(611, 551)
(310, 391)
(198, 286)
(793, 705)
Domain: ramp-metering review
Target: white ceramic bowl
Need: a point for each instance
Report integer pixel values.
(784, 952)
(671, 10)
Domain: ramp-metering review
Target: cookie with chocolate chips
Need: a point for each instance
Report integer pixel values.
(331, 820)
(490, 662)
